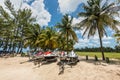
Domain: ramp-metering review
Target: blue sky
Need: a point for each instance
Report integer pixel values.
(49, 12)
(53, 7)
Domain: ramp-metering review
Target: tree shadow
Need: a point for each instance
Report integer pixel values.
(26, 61)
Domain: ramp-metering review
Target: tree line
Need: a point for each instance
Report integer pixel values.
(97, 49)
(19, 30)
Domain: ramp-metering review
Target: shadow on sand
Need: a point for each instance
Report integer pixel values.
(102, 62)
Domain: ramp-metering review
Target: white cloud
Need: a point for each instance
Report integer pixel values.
(109, 2)
(37, 7)
(119, 27)
(82, 43)
(77, 20)
(74, 24)
(68, 6)
(84, 40)
(107, 38)
(43, 16)
(78, 32)
(94, 42)
(106, 43)
(27, 0)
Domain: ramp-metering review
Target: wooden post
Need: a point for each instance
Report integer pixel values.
(96, 58)
(86, 57)
(107, 60)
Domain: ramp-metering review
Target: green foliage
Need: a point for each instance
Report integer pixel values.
(32, 34)
(97, 49)
(12, 26)
(48, 38)
(117, 48)
(117, 35)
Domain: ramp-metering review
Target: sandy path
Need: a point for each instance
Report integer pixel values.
(11, 69)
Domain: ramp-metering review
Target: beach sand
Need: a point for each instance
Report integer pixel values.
(12, 69)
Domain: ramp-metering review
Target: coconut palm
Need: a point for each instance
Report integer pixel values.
(66, 30)
(32, 34)
(61, 42)
(97, 19)
(48, 38)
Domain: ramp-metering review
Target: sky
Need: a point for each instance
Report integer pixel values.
(50, 12)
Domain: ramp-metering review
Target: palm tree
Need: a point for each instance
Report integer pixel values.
(61, 42)
(97, 19)
(66, 30)
(5, 23)
(36, 37)
(48, 38)
(32, 34)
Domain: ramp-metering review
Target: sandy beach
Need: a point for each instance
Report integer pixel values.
(12, 69)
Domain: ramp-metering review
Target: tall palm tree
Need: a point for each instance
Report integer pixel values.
(6, 28)
(24, 20)
(97, 19)
(66, 30)
(14, 24)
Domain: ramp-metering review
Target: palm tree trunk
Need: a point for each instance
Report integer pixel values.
(67, 42)
(18, 51)
(103, 57)
(63, 47)
(13, 46)
(101, 45)
(21, 47)
(6, 44)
